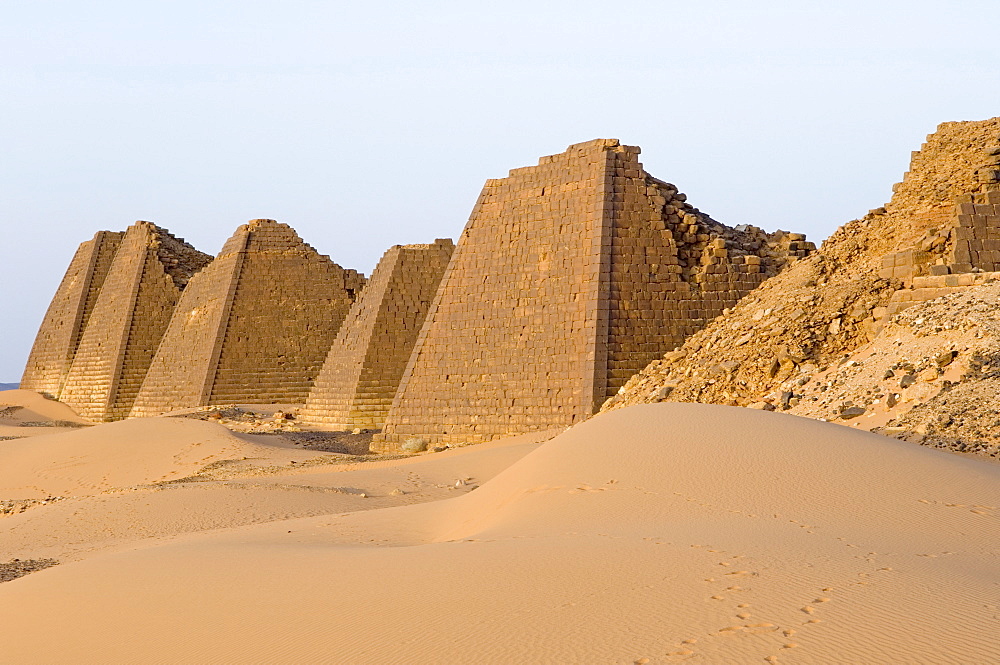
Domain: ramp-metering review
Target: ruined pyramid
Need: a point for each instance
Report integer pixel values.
(143, 284)
(570, 277)
(366, 361)
(253, 327)
(905, 291)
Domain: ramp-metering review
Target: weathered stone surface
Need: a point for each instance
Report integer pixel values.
(62, 328)
(366, 361)
(145, 280)
(253, 327)
(569, 278)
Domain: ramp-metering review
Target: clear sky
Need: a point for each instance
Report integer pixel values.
(367, 124)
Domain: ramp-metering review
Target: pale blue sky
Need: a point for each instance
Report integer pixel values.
(369, 124)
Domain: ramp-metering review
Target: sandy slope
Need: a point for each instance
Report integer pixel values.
(278, 483)
(665, 532)
(36, 407)
(25, 413)
(122, 454)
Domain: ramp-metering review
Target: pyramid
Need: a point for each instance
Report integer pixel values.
(366, 361)
(253, 327)
(68, 313)
(143, 284)
(570, 277)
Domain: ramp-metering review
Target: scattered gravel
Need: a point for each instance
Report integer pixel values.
(19, 568)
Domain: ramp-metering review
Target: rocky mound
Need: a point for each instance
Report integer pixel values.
(932, 375)
(826, 307)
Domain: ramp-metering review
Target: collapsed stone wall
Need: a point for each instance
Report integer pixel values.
(569, 277)
(253, 327)
(367, 359)
(709, 268)
(142, 286)
(823, 309)
(66, 318)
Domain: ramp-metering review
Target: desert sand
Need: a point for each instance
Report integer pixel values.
(652, 534)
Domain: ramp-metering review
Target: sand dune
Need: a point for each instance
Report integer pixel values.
(36, 407)
(658, 533)
(122, 454)
(281, 483)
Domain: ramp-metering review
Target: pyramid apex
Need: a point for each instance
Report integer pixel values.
(593, 144)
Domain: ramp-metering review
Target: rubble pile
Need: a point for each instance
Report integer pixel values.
(801, 329)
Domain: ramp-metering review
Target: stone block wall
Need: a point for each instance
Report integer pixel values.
(968, 241)
(366, 361)
(145, 280)
(929, 287)
(959, 163)
(253, 327)
(67, 316)
(672, 268)
(569, 278)
(976, 233)
(965, 253)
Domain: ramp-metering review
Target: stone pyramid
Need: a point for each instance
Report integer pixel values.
(367, 359)
(68, 313)
(143, 284)
(253, 327)
(570, 277)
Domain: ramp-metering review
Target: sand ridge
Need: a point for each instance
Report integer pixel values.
(34, 407)
(653, 534)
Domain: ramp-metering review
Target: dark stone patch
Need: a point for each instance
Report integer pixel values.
(19, 568)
